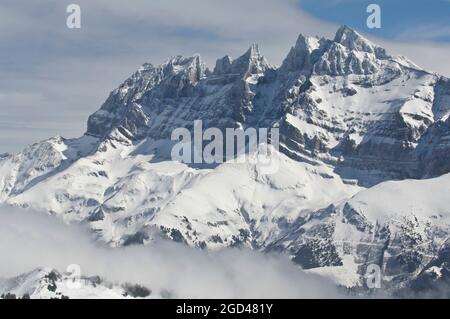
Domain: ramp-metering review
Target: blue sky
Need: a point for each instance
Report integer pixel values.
(53, 78)
(401, 19)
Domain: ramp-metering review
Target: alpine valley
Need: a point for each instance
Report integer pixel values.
(363, 176)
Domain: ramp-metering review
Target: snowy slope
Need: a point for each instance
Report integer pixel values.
(402, 226)
(130, 197)
(46, 283)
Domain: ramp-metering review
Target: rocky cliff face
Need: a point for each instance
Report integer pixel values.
(345, 101)
(350, 115)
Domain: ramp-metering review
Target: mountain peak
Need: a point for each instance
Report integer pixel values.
(250, 63)
(299, 56)
(344, 32)
(253, 51)
(352, 40)
(184, 62)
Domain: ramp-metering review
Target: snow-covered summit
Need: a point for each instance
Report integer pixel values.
(352, 40)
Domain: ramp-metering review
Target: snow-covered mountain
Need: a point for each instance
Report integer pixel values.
(363, 162)
(47, 283)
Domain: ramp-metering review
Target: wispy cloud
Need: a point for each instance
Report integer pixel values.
(31, 239)
(425, 32)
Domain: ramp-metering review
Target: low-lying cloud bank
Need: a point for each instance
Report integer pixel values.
(30, 239)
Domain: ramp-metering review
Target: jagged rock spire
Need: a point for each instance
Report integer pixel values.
(250, 63)
(351, 39)
(299, 56)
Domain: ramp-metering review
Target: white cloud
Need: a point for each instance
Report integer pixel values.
(31, 239)
(428, 32)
